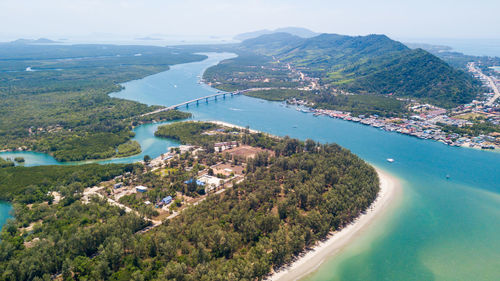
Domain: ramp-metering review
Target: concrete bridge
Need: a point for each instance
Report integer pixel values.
(197, 101)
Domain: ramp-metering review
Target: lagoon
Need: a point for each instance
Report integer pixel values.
(442, 229)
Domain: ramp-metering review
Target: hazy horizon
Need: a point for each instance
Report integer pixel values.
(96, 19)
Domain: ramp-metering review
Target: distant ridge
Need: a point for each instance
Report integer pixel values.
(33, 41)
(148, 38)
(297, 31)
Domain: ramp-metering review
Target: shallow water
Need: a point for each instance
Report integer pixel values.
(443, 229)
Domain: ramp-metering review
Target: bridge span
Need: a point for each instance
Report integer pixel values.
(197, 101)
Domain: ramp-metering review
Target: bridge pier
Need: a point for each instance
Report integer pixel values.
(197, 100)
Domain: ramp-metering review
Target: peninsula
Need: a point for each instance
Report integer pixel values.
(228, 198)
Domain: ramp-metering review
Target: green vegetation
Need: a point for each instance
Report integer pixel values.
(31, 184)
(19, 159)
(63, 107)
(478, 128)
(250, 70)
(290, 199)
(356, 104)
(411, 73)
(185, 132)
(280, 94)
(80, 241)
(128, 148)
(5, 163)
(84, 145)
(162, 116)
(372, 64)
(361, 104)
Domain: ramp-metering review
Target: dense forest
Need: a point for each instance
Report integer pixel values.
(55, 98)
(356, 104)
(372, 64)
(289, 200)
(31, 184)
(5, 163)
(250, 70)
(242, 73)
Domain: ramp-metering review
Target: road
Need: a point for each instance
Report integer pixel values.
(491, 83)
(89, 192)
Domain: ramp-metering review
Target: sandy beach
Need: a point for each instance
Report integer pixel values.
(221, 123)
(390, 188)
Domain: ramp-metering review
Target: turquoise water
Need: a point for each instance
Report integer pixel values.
(5, 209)
(440, 230)
(144, 134)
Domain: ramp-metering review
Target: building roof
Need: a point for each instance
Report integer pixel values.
(198, 182)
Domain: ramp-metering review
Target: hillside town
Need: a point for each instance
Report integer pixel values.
(429, 122)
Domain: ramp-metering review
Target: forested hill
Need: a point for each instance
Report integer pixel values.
(370, 64)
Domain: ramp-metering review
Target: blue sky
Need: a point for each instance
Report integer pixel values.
(398, 19)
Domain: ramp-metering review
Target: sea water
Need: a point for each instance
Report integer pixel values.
(442, 228)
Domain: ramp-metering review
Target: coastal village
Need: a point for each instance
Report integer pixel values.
(423, 120)
(427, 121)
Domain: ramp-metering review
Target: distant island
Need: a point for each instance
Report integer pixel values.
(147, 38)
(34, 41)
(297, 31)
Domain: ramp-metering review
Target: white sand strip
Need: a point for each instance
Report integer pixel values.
(390, 187)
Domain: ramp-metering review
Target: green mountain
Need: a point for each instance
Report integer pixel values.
(373, 64)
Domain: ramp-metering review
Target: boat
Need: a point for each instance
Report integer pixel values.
(390, 160)
(447, 176)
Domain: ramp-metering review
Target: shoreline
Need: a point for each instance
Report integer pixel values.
(310, 261)
(226, 124)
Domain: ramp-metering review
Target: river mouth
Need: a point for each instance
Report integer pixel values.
(444, 229)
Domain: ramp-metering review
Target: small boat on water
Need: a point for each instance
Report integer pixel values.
(390, 160)
(447, 177)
